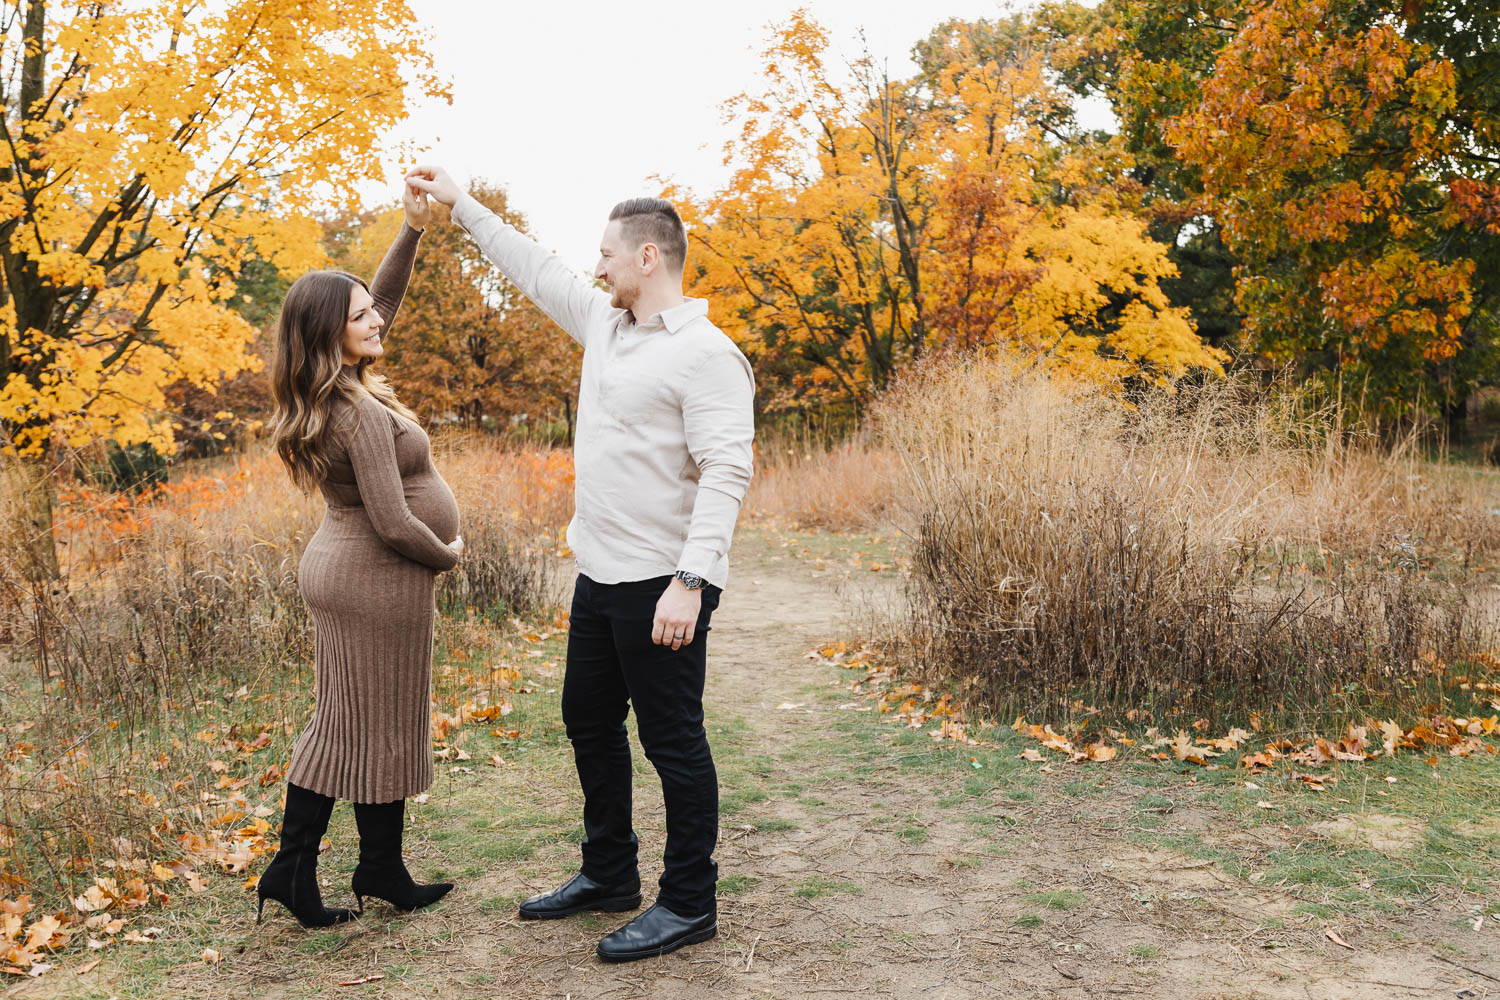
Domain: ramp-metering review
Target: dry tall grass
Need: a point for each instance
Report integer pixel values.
(178, 610)
(807, 481)
(1207, 549)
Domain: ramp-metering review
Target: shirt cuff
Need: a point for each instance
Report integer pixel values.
(698, 560)
(467, 210)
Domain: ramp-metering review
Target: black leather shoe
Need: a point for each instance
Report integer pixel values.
(581, 893)
(656, 932)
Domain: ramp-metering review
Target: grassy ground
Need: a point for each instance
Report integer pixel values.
(860, 857)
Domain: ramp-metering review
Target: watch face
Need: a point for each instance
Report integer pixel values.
(690, 580)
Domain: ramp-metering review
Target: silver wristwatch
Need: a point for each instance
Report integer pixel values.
(692, 581)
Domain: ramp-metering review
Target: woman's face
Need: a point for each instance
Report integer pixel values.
(362, 331)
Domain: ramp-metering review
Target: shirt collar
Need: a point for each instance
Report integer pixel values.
(679, 316)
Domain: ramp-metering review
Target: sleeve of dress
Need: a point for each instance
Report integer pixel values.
(388, 287)
(372, 453)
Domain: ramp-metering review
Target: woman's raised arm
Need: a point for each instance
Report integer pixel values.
(388, 287)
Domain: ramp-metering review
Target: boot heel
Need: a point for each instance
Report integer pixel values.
(260, 911)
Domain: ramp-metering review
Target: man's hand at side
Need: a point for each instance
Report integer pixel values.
(436, 182)
(676, 615)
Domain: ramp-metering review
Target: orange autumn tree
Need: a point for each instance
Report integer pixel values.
(874, 221)
(1350, 150)
(147, 151)
(468, 346)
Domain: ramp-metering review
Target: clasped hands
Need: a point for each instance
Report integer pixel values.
(420, 182)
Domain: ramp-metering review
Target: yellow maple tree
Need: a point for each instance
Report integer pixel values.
(147, 151)
(872, 221)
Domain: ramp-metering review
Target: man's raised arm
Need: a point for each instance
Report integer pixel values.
(574, 304)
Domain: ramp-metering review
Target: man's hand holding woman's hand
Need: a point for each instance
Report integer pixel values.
(434, 181)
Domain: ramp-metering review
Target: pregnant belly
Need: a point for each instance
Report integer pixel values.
(431, 502)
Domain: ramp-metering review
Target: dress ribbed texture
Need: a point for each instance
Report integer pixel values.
(367, 576)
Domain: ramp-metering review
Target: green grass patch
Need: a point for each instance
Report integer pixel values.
(733, 885)
(734, 803)
(775, 825)
(1057, 899)
(815, 886)
(322, 943)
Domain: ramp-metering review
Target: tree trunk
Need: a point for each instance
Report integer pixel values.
(27, 503)
(1456, 419)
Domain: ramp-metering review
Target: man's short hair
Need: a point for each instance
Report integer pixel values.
(654, 220)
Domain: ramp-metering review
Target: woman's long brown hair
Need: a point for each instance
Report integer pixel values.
(308, 375)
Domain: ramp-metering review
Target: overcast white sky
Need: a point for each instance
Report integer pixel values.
(573, 104)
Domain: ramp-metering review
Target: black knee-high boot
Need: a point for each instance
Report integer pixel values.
(292, 877)
(381, 872)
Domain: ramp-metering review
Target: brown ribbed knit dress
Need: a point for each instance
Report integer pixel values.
(367, 576)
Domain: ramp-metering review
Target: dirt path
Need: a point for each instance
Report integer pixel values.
(851, 866)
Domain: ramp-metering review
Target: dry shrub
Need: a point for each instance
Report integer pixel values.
(197, 578)
(179, 609)
(1156, 555)
(513, 503)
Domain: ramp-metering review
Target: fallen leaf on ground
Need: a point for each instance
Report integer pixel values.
(1333, 936)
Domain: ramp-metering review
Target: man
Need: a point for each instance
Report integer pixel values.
(663, 457)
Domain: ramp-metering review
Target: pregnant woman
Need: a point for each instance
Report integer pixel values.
(367, 575)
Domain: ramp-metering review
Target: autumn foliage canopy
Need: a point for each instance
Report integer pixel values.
(872, 222)
(1345, 156)
(148, 152)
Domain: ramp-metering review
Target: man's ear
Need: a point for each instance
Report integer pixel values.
(650, 257)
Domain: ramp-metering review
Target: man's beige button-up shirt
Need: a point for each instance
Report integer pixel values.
(662, 452)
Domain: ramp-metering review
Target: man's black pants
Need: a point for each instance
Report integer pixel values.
(613, 665)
